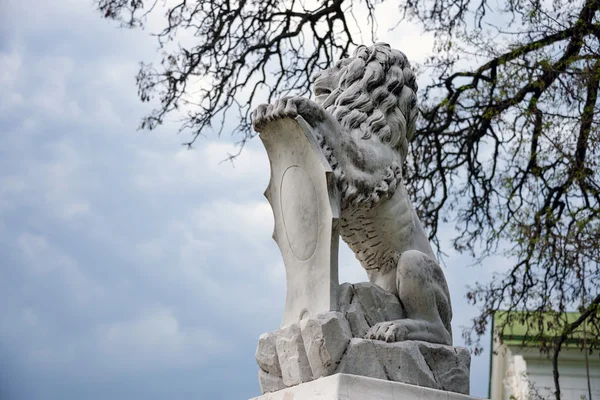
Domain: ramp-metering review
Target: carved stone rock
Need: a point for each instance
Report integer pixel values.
(266, 353)
(417, 363)
(326, 337)
(293, 360)
(365, 304)
(269, 382)
(324, 345)
(450, 365)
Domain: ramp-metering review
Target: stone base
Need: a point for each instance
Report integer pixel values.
(352, 387)
(332, 343)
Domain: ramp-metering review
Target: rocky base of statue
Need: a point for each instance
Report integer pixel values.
(332, 343)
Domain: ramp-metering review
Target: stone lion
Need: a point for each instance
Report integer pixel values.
(364, 117)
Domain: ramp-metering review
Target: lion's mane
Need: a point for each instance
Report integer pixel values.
(376, 95)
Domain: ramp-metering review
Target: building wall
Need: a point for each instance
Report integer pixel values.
(515, 371)
(573, 379)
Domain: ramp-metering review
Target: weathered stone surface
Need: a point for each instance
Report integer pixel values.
(352, 387)
(305, 207)
(266, 353)
(293, 361)
(365, 194)
(269, 382)
(365, 304)
(361, 358)
(450, 365)
(328, 344)
(325, 339)
(331, 176)
(413, 362)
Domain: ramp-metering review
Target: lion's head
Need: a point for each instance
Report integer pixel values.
(374, 91)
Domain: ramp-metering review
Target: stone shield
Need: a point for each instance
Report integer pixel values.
(305, 205)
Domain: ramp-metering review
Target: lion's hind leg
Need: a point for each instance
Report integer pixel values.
(423, 292)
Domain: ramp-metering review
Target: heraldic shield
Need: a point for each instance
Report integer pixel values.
(305, 205)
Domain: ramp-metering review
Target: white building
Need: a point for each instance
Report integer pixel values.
(524, 373)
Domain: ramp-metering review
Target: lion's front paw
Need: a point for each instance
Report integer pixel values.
(264, 113)
(286, 107)
(389, 331)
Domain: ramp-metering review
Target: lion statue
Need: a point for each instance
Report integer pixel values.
(363, 118)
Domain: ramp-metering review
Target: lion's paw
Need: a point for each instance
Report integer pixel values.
(410, 329)
(389, 331)
(260, 116)
(286, 107)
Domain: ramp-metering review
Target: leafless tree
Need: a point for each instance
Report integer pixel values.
(507, 147)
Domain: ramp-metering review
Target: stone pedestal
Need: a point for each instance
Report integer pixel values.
(352, 387)
(332, 343)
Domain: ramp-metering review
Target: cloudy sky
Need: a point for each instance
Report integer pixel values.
(131, 267)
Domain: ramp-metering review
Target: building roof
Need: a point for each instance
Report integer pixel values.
(522, 329)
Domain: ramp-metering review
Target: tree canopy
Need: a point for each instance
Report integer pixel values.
(507, 147)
